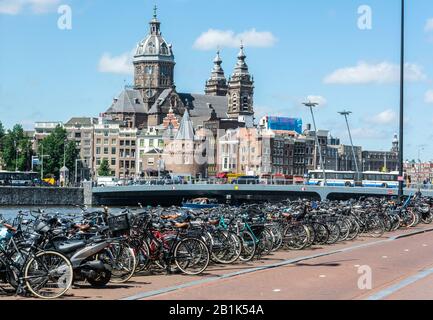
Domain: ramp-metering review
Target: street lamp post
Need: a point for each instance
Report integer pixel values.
(310, 105)
(42, 162)
(346, 114)
(401, 142)
(420, 148)
(76, 171)
(64, 153)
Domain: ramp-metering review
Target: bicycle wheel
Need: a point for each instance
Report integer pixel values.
(48, 275)
(321, 233)
(334, 232)
(277, 235)
(296, 237)
(427, 218)
(249, 246)
(191, 256)
(266, 243)
(375, 228)
(142, 257)
(123, 262)
(344, 225)
(354, 230)
(226, 247)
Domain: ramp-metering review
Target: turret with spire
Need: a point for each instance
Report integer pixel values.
(395, 143)
(154, 23)
(216, 85)
(241, 91)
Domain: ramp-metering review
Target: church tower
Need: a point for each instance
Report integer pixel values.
(217, 83)
(241, 92)
(153, 64)
(395, 144)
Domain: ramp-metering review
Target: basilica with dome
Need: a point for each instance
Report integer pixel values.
(154, 94)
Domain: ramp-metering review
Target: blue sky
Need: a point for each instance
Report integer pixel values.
(295, 49)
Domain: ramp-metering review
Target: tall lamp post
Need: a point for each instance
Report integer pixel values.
(42, 162)
(346, 114)
(311, 105)
(76, 170)
(401, 142)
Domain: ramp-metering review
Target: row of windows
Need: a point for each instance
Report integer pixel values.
(127, 143)
(106, 150)
(111, 161)
(106, 141)
(152, 143)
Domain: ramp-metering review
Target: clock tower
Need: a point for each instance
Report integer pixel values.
(153, 64)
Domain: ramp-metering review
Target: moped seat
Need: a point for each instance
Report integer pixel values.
(67, 247)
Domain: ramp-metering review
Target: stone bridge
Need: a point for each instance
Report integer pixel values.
(175, 194)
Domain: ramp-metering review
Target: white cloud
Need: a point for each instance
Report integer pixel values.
(318, 99)
(429, 25)
(121, 64)
(14, 7)
(214, 38)
(368, 133)
(385, 72)
(429, 96)
(386, 117)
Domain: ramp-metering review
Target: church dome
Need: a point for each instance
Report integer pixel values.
(154, 46)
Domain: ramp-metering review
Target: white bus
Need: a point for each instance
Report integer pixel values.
(375, 179)
(333, 178)
(371, 179)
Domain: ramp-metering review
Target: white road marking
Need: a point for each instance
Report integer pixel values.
(394, 288)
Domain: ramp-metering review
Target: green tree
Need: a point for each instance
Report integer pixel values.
(56, 150)
(16, 149)
(2, 131)
(2, 134)
(104, 169)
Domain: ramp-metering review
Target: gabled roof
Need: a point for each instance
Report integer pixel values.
(198, 106)
(154, 151)
(129, 101)
(160, 100)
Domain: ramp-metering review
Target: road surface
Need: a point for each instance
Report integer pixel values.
(397, 266)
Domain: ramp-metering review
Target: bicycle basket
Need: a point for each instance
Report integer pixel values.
(42, 227)
(119, 223)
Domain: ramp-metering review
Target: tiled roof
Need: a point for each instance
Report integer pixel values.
(198, 106)
(129, 101)
(84, 121)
